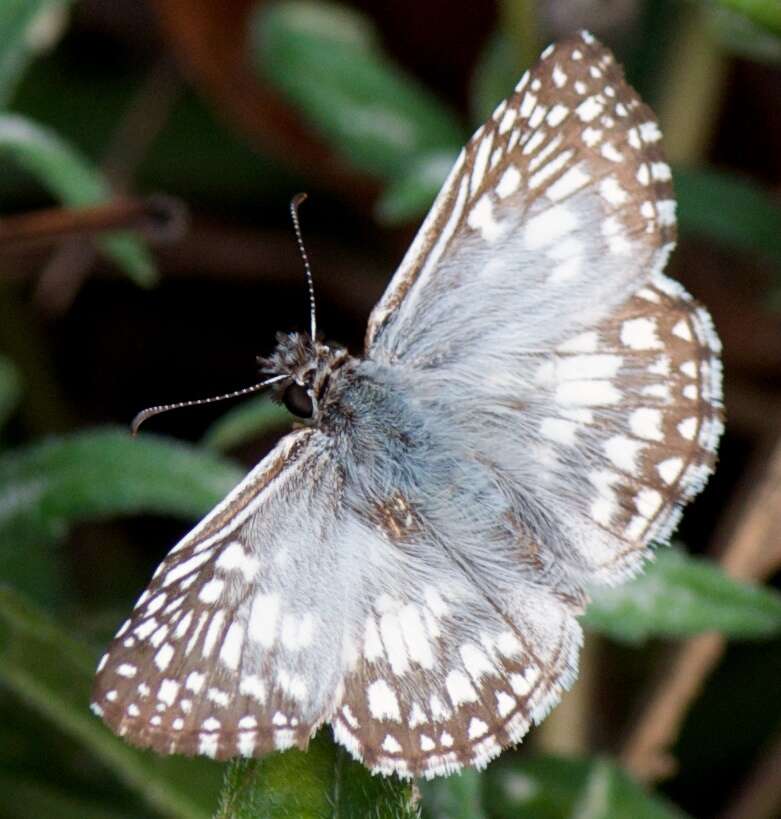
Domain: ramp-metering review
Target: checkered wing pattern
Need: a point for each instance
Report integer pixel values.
(537, 403)
(445, 673)
(535, 292)
(234, 647)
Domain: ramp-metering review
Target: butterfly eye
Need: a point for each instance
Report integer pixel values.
(296, 398)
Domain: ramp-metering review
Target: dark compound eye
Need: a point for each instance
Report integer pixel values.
(297, 400)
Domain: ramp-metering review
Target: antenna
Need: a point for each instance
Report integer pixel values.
(150, 411)
(297, 200)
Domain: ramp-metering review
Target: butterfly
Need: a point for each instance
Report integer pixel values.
(535, 404)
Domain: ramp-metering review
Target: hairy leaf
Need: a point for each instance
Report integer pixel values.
(323, 783)
(52, 673)
(552, 788)
(677, 596)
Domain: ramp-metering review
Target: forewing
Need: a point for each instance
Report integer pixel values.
(556, 210)
(533, 307)
(235, 647)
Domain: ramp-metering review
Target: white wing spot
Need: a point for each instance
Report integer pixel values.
(415, 636)
(262, 625)
(507, 120)
(504, 703)
(477, 728)
(623, 452)
(253, 686)
(164, 656)
(682, 330)
(649, 132)
(234, 558)
(481, 217)
(688, 428)
(391, 744)
(612, 192)
(648, 501)
(475, 661)
(183, 625)
(184, 568)
(383, 703)
(646, 422)
(211, 591)
(689, 369)
(392, 639)
(417, 716)
(589, 109)
(572, 180)
(670, 469)
(194, 681)
(559, 430)
(247, 742)
(587, 393)
(168, 691)
(459, 688)
(208, 744)
(509, 182)
(372, 645)
(155, 603)
(230, 651)
(213, 632)
(557, 115)
(549, 226)
(350, 717)
(611, 153)
(640, 334)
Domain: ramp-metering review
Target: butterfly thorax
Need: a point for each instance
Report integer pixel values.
(307, 366)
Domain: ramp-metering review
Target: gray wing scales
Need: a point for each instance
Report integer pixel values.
(557, 209)
(445, 672)
(235, 647)
(534, 321)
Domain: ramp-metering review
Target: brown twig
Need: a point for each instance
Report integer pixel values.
(760, 797)
(753, 537)
(148, 111)
(154, 217)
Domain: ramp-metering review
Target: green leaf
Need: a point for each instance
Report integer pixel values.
(458, 796)
(677, 596)
(103, 473)
(552, 788)
(411, 193)
(25, 27)
(728, 210)
(325, 59)
(744, 37)
(70, 177)
(323, 783)
(52, 674)
(250, 420)
(10, 389)
(766, 13)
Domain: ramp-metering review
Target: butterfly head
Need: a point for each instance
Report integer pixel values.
(307, 365)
